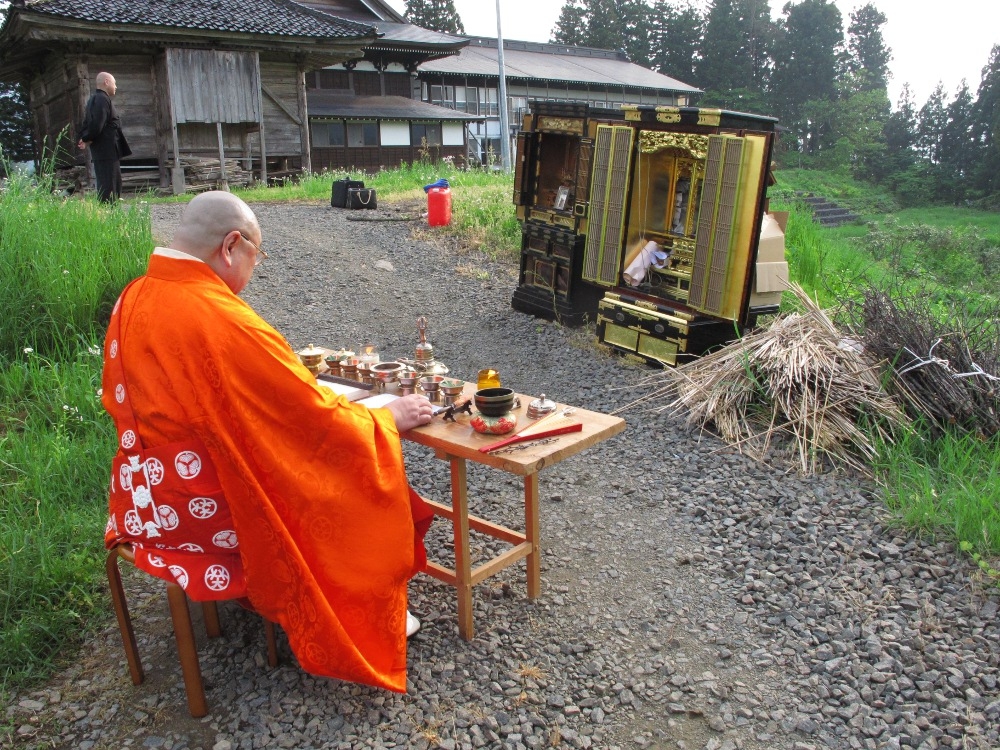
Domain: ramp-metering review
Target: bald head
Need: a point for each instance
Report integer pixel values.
(208, 218)
(106, 82)
(221, 230)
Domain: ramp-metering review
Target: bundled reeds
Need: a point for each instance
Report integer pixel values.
(798, 387)
(947, 373)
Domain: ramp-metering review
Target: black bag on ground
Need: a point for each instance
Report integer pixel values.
(338, 198)
(361, 198)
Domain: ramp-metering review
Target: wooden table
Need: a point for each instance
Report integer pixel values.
(457, 443)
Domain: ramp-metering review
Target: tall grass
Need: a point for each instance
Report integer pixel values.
(62, 264)
(948, 484)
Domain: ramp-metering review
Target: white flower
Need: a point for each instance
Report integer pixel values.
(28, 350)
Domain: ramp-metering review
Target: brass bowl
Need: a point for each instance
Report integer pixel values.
(494, 402)
(387, 372)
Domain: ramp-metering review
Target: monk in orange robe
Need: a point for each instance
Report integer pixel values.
(237, 476)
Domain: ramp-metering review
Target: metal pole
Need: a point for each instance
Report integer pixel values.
(504, 120)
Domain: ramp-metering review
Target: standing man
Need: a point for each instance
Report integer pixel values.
(102, 130)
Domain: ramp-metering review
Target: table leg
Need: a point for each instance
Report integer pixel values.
(460, 527)
(534, 560)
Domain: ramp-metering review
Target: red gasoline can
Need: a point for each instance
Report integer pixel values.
(439, 207)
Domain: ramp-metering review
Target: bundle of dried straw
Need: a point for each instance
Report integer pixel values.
(798, 385)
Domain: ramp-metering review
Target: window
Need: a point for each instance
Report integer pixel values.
(362, 134)
(328, 133)
(430, 131)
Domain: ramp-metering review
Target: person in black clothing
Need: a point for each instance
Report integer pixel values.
(102, 130)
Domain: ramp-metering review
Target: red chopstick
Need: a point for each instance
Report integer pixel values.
(534, 436)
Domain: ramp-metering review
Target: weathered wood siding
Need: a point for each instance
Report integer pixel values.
(134, 100)
(59, 96)
(52, 98)
(210, 86)
(282, 134)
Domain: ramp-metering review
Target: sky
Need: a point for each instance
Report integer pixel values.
(930, 41)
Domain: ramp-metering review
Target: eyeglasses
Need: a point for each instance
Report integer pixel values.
(261, 253)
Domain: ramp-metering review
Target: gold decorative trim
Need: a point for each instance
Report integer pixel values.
(710, 117)
(668, 115)
(651, 141)
(561, 124)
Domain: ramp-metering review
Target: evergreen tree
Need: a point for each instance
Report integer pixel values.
(633, 23)
(805, 71)
(959, 150)
(571, 27)
(858, 123)
(436, 15)
(867, 55)
(718, 67)
(605, 28)
(674, 39)
(931, 121)
(16, 127)
(987, 124)
(735, 59)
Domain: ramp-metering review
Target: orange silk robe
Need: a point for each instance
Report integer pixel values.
(315, 485)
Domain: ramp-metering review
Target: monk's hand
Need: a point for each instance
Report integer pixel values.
(410, 411)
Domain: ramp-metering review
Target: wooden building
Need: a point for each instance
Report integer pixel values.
(535, 71)
(223, 85)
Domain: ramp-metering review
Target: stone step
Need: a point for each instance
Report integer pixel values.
(826, 212)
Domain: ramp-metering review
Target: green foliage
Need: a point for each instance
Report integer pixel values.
(736, 48)
(675, 33)
(868, 57)
(63, 264)
(56, 444)
(957, 258)
(948, 484)
(16, 132)
(437, 15)
(805, 70)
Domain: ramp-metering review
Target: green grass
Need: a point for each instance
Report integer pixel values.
(62, 264)
(56, 444)
(945, 485)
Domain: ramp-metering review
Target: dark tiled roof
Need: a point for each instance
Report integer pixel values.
(554, 62)
(408, 34)
(270, 17)
(327, 104)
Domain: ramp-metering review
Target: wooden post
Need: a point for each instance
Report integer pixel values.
(223, 182)
(83, 76)
(306, 140)
(260, 104)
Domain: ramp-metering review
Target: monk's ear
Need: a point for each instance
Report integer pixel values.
(228, 248)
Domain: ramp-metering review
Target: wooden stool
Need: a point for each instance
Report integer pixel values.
(183, 631)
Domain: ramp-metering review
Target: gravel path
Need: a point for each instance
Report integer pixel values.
(691, 597)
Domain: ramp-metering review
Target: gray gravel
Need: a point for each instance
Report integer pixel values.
(691, 597)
